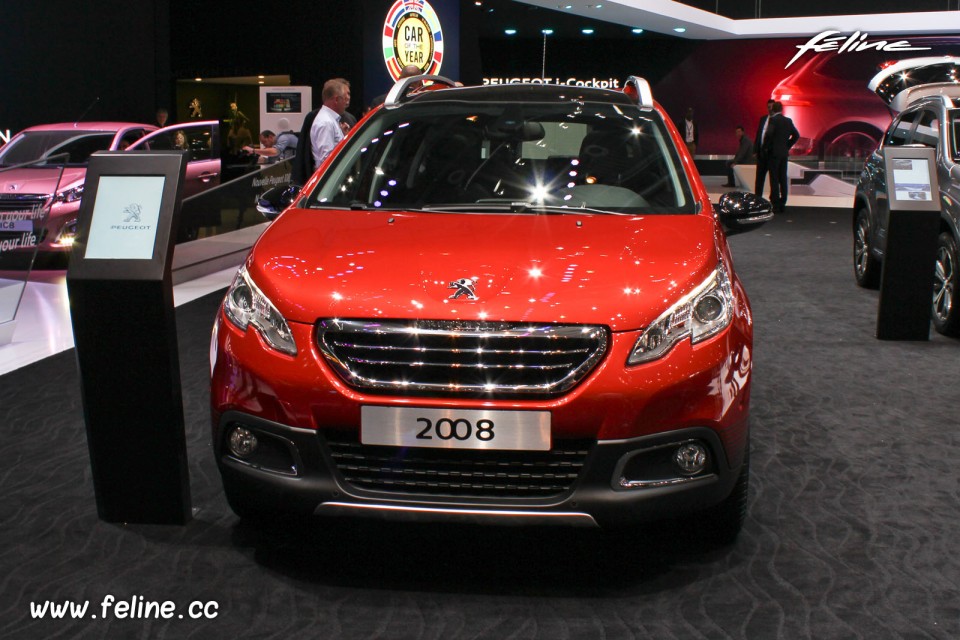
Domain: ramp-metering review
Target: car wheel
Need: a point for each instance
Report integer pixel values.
(866, 268)
(847, 149)
(722, 523)
(946, 283)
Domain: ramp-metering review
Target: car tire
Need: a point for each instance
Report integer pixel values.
(866, 267)
(944, 311)
(722, 523)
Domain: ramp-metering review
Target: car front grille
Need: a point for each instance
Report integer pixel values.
(22, 202)
(446, 472)
(461, 359)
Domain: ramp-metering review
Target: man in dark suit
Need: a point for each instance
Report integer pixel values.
(758, 150)
(743, 156)
(302, 166)
(781, 135)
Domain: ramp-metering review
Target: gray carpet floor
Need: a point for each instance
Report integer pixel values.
(852, 529)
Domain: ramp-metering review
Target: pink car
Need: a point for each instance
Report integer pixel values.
(32, 186)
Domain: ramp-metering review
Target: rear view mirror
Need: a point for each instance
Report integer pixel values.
(273, 201)
(739, 211)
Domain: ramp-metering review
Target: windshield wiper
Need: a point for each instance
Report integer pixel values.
(513, 207)
(535, 207)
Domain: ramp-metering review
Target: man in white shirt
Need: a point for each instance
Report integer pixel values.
(326, 132)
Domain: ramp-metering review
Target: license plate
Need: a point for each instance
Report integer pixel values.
(455, 428)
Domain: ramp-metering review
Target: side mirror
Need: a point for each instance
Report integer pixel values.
(739, 211)
(273, 201)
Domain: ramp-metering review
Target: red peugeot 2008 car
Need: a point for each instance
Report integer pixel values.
(499, 304)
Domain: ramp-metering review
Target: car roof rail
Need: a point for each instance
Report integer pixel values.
(639, 89)
(407, 88)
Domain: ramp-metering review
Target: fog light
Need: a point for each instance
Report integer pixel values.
(690, 458)
(242, 443)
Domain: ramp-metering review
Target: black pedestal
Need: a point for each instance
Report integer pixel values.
(906, 283)
(121, 305)
(130, 375)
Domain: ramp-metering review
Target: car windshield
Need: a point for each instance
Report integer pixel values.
(510, 157)
(35, 145)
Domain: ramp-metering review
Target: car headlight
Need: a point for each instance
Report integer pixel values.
(67, 235)
(70, 195)
(702, 313)
(246, 305)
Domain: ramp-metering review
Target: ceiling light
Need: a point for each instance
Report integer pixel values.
(510, 32)
(637, 30)
(586, 32)
(198, 79)
(680, 29)
(547, 32)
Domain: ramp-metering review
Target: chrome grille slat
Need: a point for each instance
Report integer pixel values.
(456, 358)
(458, 365)
(542, 352)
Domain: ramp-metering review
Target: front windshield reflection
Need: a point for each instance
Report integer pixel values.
(509, 157)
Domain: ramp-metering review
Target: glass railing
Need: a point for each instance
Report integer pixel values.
(22, 222)
(231, 205)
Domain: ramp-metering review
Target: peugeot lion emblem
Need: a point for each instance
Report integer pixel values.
(133, 212)
(464, 287)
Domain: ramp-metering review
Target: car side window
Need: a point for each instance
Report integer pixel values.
(955, 120)
(899, 131)
(129, 137)
(82, 146)
(927, 132)
(196, 139)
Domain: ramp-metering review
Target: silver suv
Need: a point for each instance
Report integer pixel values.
(926, 91)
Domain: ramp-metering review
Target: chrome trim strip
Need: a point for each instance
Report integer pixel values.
(566, 518)
(647, 484)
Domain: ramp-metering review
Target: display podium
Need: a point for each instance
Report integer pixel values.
(906, 281)
(121, 305)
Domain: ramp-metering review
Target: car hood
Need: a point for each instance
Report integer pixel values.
(39, 180)
(906, 81)
(620, 271)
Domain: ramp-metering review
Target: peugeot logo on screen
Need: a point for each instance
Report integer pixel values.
(465, 287)
(132, 212)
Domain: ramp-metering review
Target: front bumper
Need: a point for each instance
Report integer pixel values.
(300, 472)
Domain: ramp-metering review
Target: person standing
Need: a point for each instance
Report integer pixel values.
(762, 163)
(326, 132)
(781, 135)
(162, 117)
(408, 71)
(742, 156)
(690, 132)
